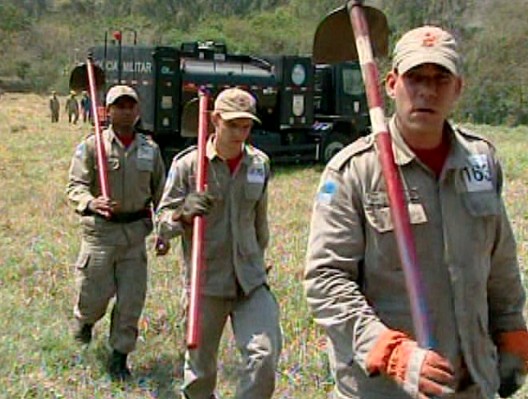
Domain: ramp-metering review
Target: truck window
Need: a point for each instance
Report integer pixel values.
(352, 82)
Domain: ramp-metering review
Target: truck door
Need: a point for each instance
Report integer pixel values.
(167, 92)
(296, 93)
(351, 98)
(324, 95)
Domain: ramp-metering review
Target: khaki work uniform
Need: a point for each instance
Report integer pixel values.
(113, 259)
(72, 109)
(466, 253)
(234, 282)
(86, 104)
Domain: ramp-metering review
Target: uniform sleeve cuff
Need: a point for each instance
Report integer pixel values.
(82, 206)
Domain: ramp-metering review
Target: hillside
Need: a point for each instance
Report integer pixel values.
(43, 39)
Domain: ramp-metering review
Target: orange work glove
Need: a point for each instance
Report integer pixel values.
(513, 361)
(420, 372)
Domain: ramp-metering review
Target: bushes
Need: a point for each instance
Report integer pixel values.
(42, 47)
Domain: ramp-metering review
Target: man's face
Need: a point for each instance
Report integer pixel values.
(231, 134)
(124, 112)
(424, 97)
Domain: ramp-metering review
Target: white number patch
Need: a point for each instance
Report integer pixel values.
(477, 174)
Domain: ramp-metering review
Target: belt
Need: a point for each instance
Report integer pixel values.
(129, 217)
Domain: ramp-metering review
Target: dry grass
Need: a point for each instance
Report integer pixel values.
(39, 241)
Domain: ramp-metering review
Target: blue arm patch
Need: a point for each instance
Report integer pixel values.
(79, 151)
(326, 192)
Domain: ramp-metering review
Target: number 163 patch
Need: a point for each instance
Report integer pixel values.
(478, 174)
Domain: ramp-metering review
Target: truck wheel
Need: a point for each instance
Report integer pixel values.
(332, 144)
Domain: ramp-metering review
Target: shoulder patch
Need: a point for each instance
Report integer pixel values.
(79, 151)
(184, 152)
(89, 142)
(327, 189)
(254, 151)
(146, 138)
(362, 144)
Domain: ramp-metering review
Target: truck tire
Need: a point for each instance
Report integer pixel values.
(332, 144)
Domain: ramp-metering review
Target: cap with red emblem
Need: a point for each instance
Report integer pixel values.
(426, 45)
(236, 103)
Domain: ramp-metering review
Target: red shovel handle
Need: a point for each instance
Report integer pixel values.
(197, 261)
(395, 192)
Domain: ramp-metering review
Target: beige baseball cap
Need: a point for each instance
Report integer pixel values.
(426, 45)
(236, 103)
(119, 91)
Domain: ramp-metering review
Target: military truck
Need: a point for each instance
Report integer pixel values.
(308, 112)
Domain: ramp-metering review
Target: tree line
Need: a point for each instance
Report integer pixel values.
(43, 39)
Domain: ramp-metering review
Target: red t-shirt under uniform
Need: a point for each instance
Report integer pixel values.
(434, 158)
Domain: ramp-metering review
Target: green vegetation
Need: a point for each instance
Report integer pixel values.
(43, 39)
(39, 239)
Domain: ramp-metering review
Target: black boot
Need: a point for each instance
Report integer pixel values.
(83, 334)
(117, 368)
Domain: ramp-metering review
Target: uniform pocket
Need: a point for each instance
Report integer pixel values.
(381, 242)
(145, 158)
(380, 218)
(145, 165)
(481, 204)
(112, 163)
(253, 191)
(484, 208)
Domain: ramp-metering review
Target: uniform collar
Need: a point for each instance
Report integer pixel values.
(459, 153)
(112, 136)
(403, 153)
(211, 153)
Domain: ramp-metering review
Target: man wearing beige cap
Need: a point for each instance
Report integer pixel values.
(235, 280)
(465, 246)
(113, 261)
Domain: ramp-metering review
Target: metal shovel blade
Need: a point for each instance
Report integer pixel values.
(190, 117)
(334, 39)
(79, 78)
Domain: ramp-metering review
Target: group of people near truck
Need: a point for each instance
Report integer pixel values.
(353, 278)
(72, 107)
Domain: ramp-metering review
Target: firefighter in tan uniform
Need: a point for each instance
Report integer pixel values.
(72, 108)
(236, 237)
(113, 260)
(465, 248)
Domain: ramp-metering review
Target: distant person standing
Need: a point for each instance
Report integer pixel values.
(72, 108)
(113, 257)
(54, 107)
(86, 104)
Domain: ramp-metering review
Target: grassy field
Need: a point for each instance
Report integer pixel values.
(39, 241)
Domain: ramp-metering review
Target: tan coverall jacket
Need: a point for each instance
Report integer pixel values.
(136, 177)
(466, 253)
(237, 232)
